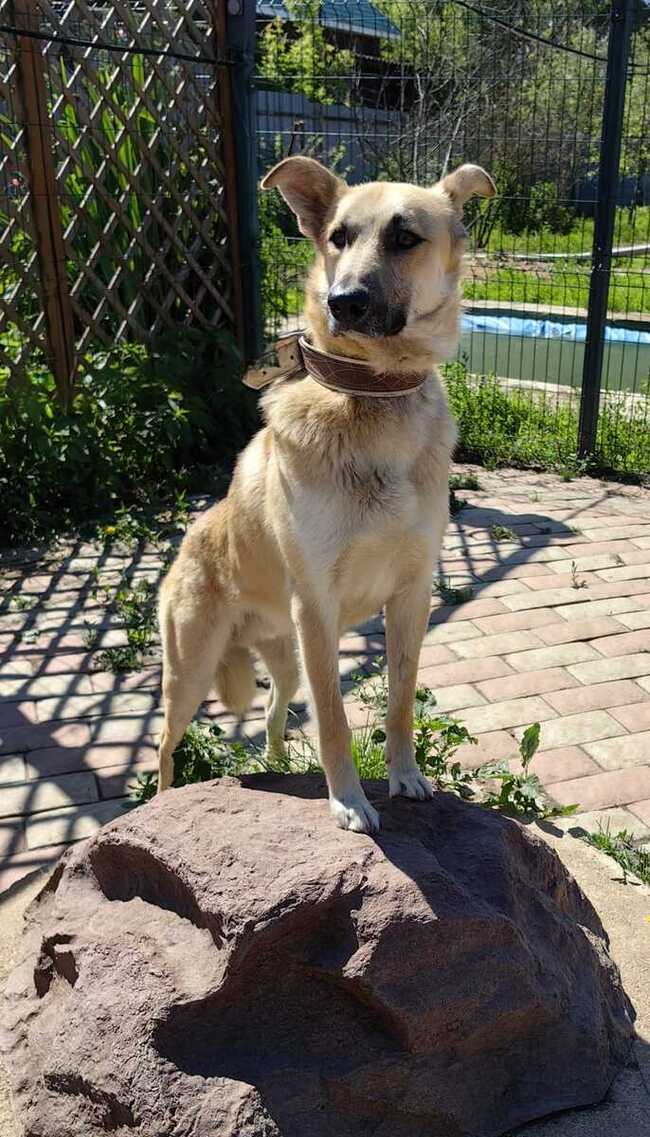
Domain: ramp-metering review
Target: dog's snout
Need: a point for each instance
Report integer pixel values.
(349, 306)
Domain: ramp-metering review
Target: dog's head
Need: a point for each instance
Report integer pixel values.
(388, 257)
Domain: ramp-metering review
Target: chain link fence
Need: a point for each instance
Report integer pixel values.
(407, 89)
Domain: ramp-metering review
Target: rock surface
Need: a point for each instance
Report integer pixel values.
(224, 962)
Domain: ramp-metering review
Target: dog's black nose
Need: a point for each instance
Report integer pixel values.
(349, 307)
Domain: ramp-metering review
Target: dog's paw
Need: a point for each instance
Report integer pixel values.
(354, 812)
(409, 782)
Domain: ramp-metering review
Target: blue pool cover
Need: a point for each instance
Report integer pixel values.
(546, 329)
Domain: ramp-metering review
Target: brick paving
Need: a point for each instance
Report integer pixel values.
(557, 631)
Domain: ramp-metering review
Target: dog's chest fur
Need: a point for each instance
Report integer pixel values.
(363, 481)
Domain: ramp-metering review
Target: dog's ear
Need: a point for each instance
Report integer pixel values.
(308, 189)
(465, 182)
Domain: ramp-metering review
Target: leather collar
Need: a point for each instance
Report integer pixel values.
(297, 358)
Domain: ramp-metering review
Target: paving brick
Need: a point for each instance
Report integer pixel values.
(559, 655)
(50, 793)
(487, 570)
(616, 667)
(467, 671)
(566, 579)
(641, 809)
(585, 562)
(62, 826)
(644, 682)
(55, 761)
(450, 633)
(67, 663)
(457, 697)
(576, 730)
(598, 697)
(15, 740)
(626, 643)
(499, 588)
(509, 713)
(491, 747)
(23, 864)
(116, 781)
(642, 542)
(453, 613)
(590, 609)
(527, 683)
(13, 669)
(89, 706)
(515, 621)
(134, 681)
(634, 620)
(561, 631)
(552, 597)
(368, 645)
(131, 728)
(634, 716)
(435, 654)
(44, 686)
(603, 790)
(621, 752)
(496, 645)
(625, 532)
(559, 765)
(17, 714)
(12, 836)
(12, 769)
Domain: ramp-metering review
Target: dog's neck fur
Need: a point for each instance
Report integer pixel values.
(420, 347)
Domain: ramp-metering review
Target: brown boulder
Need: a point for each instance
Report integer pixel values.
(224, 962)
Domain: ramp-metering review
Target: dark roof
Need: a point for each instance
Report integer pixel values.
(358, 16)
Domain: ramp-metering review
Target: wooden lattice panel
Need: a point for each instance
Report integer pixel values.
(22, 330)
(137, 170)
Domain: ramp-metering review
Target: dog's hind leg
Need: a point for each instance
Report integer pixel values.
(279, 655)
(194, 639)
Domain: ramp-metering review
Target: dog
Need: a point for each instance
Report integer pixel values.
(338, 506)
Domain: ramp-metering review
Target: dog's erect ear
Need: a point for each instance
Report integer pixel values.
(308, 189)
(465, 182)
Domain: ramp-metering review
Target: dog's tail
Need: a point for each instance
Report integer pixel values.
(235, 679)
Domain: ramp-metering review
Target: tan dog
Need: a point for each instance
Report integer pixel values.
(338, 506)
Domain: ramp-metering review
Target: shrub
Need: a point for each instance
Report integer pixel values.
(143, 424)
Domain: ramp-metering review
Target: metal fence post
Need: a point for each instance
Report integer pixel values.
(240, 36)
(48, 232)
(621, 26)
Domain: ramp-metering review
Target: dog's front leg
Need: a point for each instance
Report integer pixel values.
(407, 615)
(318, 636)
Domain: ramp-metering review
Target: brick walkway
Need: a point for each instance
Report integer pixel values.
(558, 631)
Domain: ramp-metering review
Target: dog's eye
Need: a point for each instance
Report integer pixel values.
(339, 238)
(404, 239)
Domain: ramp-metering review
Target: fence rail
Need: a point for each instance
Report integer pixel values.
(115, 217)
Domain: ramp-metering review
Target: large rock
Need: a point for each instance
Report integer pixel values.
(224, 962)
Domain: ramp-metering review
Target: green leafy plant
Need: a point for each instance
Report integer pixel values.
(203, 754)
(633, 858)
(503, 533)
(456, 504)
(450, 595)
(576, 581)
(464, 482)
(436, 738)
(136, 609)
(520, 793)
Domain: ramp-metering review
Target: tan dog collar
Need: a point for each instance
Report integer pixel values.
(297, 358)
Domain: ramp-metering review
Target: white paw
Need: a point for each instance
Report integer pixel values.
(409, 782)
(354, 812)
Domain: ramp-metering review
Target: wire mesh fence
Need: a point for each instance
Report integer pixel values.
(407, 89)
(115, 224)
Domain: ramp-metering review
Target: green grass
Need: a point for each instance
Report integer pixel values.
(560, 284)
(621, 847)
(632, 228)
(519, 427)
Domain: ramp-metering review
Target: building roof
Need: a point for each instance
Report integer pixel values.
(358, 16)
